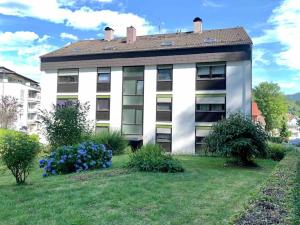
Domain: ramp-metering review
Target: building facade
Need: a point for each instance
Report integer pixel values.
(27, 92)
(167, 89)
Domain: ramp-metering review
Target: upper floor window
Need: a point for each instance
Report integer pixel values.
(210, 107)
(103, 80)
(210, 71)
(164, 77)
(67, 80)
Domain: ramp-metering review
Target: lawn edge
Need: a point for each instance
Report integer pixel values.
(290, 183)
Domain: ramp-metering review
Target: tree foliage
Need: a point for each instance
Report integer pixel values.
(272, 103)
(66, 125)
(237, 137)
(9, 110)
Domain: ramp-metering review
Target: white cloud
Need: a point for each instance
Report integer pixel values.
(68, 36)
(210, 3)
(285, 22)
(259, 57)
(20, 51)
(83, 18)
(287, 85)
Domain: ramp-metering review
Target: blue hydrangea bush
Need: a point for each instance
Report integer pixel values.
(77, 158)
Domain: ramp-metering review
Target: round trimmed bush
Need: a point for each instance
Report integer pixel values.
(237, 137)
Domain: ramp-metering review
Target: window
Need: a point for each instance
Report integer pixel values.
(164, 78)
(103, 79)
(164, 138)
(103, 109)
(200, 134)
(164, 72)
(65, 102)
(103, 104)
(210, 71)
(164, 109)
(103, 75)
(133, 101)
(101, 129)
(67, 80)
(210, 107)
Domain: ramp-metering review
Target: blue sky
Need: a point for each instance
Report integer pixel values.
(31, 28)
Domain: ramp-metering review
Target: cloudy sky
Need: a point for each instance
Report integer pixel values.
(30, 28)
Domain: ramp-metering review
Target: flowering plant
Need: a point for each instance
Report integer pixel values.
(81, 157)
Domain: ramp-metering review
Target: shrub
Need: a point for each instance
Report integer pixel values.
(151, 157)
(17, 151)
(113, 140)
(278, 140)
(278, 151)
(80, 157)
(66, 125)
(237, 137)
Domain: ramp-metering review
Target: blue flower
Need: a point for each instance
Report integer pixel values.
(109, 164)
(53, 172)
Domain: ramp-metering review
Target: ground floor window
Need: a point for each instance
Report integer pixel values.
(200, 133)
(164, 138)
(101, 129)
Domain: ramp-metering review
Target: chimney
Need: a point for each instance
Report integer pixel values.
(109, 34)
(131, 35)
(197, 25)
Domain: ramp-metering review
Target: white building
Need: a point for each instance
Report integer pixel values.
(293, 126)
(165, 88)
(27, 92)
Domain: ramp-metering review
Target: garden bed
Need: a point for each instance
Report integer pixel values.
(278, 200)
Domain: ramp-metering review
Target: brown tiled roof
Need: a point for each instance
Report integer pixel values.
(208, 38)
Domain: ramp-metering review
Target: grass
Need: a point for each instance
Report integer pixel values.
(206, 193)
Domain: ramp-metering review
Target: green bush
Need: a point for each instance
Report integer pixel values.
(112, 140)
(66, 126)
(17, 151)
(237, 137)
(278, 151)
(278, 140)
(152, 158)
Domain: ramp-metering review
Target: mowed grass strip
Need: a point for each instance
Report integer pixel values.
(206, 193)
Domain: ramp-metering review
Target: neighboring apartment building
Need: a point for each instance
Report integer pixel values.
(27, 91)
(164, 88)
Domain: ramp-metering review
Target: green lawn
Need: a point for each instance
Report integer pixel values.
(207, 193)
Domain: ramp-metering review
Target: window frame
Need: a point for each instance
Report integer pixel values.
(210, 107)
(66, 75)
(103, 110)
(167, 67)
(99, 74)
(210, 66)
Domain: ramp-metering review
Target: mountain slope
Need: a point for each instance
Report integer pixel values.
(294, 97)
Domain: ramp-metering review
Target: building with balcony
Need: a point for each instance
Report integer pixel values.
(166, 88)
(27, 92)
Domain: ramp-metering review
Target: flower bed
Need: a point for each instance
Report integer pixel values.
(77, 158)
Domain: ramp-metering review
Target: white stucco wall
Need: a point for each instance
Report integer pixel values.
(183, 121)
(48, 89)
(116, 98)
(149, 104)
(87, 90)
(238, 87)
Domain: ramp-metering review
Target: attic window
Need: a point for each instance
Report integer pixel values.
(210, 40)
(167, 43)
(109, 48)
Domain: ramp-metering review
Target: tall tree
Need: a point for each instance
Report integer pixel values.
(9, 110)
(272, 103)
